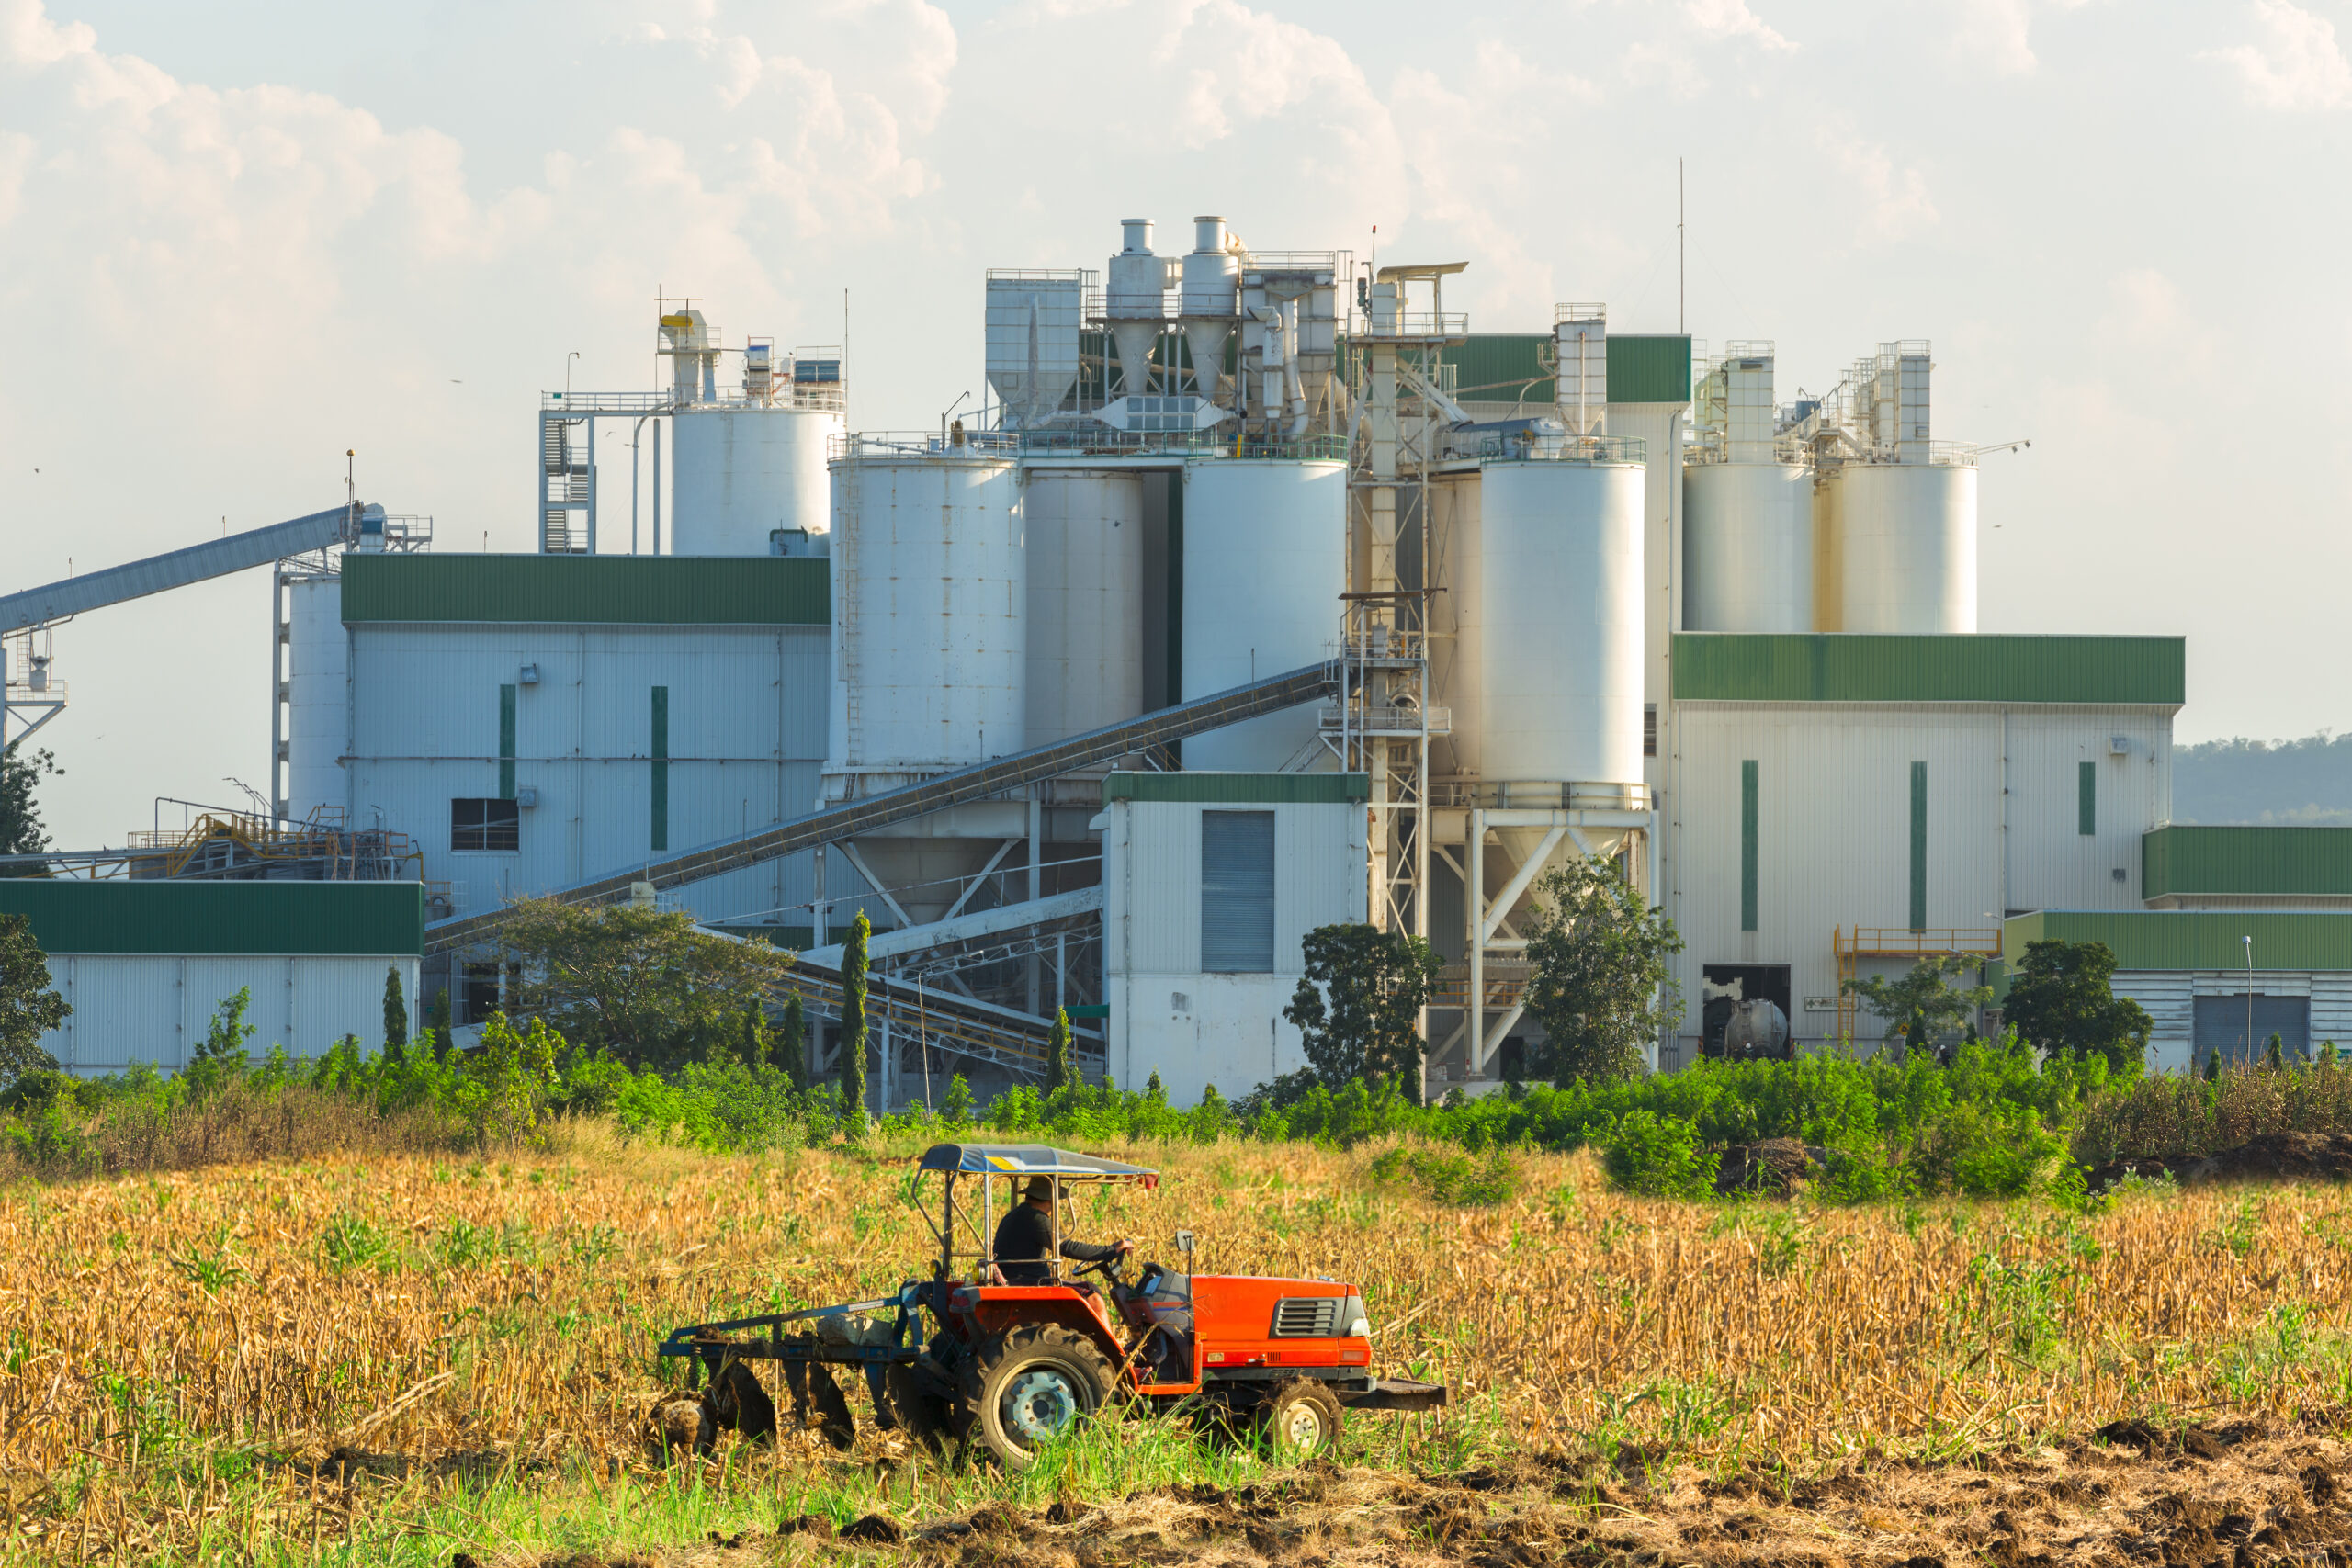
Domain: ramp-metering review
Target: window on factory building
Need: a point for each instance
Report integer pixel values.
(1238, 892)
(1649, 730)
(478, 996)
(485, 825)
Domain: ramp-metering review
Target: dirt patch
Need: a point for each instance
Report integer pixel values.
(2133, 1493)
(2274, 1156)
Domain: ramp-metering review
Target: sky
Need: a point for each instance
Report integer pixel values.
(238, 239)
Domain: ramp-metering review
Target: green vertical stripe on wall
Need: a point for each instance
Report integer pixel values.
(1747, 846)
(660, 792)
(505, 742)
(1918, 846)
(2086, 801)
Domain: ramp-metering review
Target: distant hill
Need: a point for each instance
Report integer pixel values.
(2305, 783)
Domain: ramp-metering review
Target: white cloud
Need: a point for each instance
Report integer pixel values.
(2148, 315)
(1998, 33)
(1896, 202)
(2299, 65)
(1732, 19)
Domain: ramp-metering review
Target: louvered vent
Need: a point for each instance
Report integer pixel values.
(1307, 1317)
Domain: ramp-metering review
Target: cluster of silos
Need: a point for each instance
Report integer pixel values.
(742, 471)
(1843, 518)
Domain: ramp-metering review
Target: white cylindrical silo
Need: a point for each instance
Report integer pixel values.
(1747, 548)
(1085, 635)
(739, 474)
(1265, 562)
(929, 586)
(1456, 615)
(318, 696)
(1560, 608)
(1907, 546)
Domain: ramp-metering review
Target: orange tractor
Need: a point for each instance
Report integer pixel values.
(1009, 1366)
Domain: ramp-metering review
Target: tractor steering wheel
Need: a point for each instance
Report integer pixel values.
(1109, 1268)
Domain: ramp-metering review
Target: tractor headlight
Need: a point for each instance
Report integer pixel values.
(1356, 1323)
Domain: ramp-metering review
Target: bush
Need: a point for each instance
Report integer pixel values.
(1657, 1156)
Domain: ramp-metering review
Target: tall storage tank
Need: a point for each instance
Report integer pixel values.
(1905, 542)
(1456, 614)
(1085, 595)
(1560, 611)
(930, 588)
(318, 695)
(1265, 562)
(739, 474)
(1748, 561)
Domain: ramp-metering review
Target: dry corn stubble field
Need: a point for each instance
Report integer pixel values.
(395, 1359)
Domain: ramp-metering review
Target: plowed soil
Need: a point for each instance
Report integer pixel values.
(2200, 1497)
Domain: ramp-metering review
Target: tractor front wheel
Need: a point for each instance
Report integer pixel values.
(1027, 1386)
(1301, 1420)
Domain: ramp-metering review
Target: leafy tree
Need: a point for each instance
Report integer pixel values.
(438, 1030)
(395, 1018)
(1918, 1006)
(955, 1108)
(853, 1118)
(792, 1043)
(21, 832)
(2061, 1002)
(221, 1057)
(1154, 1090)
(751, 1041)
(1599, 984)
(29, 1008)
(1358, 1006)
(505, 1085)
(1058, 1066)
(646, 985)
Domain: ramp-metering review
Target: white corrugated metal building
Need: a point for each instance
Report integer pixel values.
(145, 964)
(1211, 883)
(533, 720)
(1910, 791)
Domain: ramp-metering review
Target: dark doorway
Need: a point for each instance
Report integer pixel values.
(1727, 984)
(2221, 1026)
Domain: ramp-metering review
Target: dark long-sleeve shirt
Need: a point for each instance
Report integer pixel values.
(1024, 1244)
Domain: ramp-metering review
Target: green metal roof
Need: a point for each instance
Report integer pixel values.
(1985, 668)
(2287, 860)
(1239, 789)
(784, 590)
(1500, 368)
(2191, 939)
(377, 919)
(1649, 369)
(1503, 367)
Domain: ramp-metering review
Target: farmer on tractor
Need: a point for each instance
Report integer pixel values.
(994, 1352)
(1025, 1239)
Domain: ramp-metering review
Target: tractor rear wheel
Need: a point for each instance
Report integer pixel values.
(1300, 1420)
(1028, 1385)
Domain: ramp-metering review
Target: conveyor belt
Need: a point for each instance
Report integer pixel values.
(983, 781)
(176, 569)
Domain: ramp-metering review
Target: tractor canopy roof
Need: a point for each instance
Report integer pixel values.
(1027, 1159)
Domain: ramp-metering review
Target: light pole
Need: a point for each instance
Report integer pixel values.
(2249, 995)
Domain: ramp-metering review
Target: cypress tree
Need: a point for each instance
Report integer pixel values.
(753, 1040)
(2212, 1065)
(853, 1027)
(438, 1026)
(395, 1018)
(1154, 1090)
(792, 1043)
(2273, 1053)
(1059, 1066)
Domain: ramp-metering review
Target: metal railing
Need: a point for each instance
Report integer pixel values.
(1076, 441)
(1422, 327)
(788, 393)
(1533, 446)
(1540, 794)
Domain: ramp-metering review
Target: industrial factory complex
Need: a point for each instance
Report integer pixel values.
(1262, 592)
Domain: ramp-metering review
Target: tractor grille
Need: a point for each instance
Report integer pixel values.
(1307, 1317)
